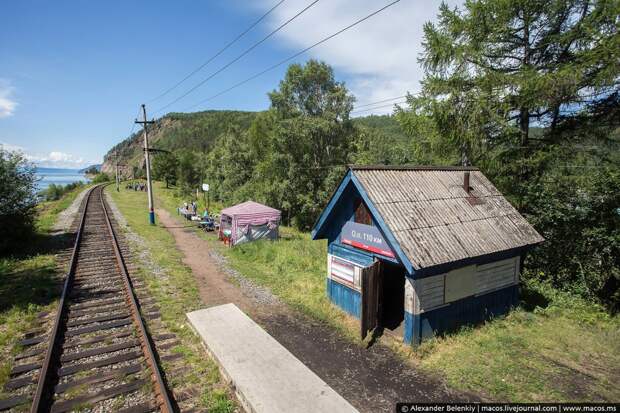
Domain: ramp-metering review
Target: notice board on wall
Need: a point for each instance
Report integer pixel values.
(460, 283)
(365, 237)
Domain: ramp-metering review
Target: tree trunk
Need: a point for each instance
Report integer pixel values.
(524, 116)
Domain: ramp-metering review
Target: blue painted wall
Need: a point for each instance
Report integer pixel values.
(359, 257)
(470, 310)
(408, 327)
(346, 298)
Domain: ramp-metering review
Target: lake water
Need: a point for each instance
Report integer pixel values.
(56, 176)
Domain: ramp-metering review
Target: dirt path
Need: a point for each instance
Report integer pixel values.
(373, 379)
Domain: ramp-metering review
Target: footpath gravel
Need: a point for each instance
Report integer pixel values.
(66, 217)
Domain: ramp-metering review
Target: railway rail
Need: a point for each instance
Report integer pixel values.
(97, 353)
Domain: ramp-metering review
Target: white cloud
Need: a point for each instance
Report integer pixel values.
(379, 55)
(57, 159)
(54, 159)
(7, 104)
(11, 148)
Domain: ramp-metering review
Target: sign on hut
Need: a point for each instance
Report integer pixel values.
(419, 251)
(247, 222)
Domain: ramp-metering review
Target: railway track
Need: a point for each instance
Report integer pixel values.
(96, 353)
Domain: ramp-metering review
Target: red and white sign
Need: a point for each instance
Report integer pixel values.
(365, 237)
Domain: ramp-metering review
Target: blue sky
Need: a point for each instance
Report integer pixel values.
(73, 73)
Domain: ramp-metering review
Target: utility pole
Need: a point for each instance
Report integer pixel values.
(117, 177)
(149, 187)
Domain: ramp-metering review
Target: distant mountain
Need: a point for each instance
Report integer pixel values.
(95, 167)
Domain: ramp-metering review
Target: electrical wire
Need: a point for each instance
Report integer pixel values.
(270, 68)
(377, 107)
(233, 41)
(245, 52)
(379, 101)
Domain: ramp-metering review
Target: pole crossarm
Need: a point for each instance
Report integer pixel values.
(155, 150)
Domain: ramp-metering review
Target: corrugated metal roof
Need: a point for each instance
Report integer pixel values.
(431, 217)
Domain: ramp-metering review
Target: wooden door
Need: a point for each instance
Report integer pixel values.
(371, 298)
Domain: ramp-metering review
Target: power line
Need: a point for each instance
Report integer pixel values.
(294, 55)
(378, 107)
(233, 41)
(248, 50)
(380, 101)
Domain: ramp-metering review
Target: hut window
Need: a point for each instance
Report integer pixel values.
(362, 215)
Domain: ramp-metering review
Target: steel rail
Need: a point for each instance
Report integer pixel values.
(165, 402)
(43, 381)
(43, 378)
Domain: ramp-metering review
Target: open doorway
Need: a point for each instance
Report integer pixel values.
(392, 298)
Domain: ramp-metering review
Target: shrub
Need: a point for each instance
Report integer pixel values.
(101, 178)
(54, 192)
(17, 200)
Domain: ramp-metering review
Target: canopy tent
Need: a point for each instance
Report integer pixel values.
(249, 221)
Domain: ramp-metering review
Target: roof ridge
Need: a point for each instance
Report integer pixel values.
(412, 168)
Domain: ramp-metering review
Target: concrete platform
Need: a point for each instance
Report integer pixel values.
(266, 376)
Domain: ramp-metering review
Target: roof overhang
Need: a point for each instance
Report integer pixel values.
(349, 178)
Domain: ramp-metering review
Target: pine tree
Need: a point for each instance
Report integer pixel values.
(497, 69)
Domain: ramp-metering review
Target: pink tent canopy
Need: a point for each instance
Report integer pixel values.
(250, 213)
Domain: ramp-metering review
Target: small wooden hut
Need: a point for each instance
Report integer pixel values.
(422, 250)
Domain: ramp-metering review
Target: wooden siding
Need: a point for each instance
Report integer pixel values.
(429, 293)
(435, 291)
(460, 283)
(497, 275)
(355, 256)
(346, 298)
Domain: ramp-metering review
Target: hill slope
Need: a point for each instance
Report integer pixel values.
(198, 131)
(175, 131)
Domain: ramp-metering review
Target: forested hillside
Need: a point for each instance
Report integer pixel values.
(174, 132)
(197, 132)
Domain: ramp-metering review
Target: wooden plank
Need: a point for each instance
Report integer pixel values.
(65, 371)
(101, 303)
(97, 339)
(99, 377)
(171, 357)
(98, 327)
(168, 345)
(31, 341)
(99, 350)
(19, 382)
(105, 394)
(106, 308)
(11, 402)
(107, 317)
(370, 298)
(162, 337)
(23, 368)
(30, 353)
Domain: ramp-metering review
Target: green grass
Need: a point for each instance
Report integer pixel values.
(293, 268)
(175, 290)
(27, 283)
(566, 350)
(48, 211)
